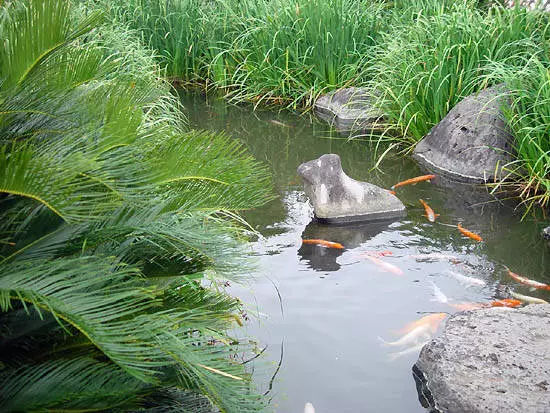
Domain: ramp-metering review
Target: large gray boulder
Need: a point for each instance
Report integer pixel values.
(490, 360)
(472, 142)
(337, 198)
(348, 110)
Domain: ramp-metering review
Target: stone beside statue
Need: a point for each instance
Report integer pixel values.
(339, 199)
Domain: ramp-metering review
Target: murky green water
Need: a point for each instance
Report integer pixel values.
(335, 304)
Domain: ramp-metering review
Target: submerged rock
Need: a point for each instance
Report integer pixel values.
(348, 110)
(472, 143)
(337, 198)
(546, 233)
(490, 360)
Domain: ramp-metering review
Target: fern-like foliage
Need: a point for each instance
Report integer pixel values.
(115, 225)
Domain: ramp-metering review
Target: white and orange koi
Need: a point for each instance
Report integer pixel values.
(527, 298)
(413, 337)
(434, 257)
(467, 306)
(440, 297)
(385, 266)
(430, 214)
(468, 281)
(527, 281)
(431, 320)
(411, 350)
(377, 254)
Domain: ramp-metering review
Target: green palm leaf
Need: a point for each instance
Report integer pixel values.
(112, 216)
(96, 300)
(76, 384)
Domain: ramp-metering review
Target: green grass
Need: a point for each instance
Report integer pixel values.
(418, 57)
(425, 69)
(528, 117)
(264, 51)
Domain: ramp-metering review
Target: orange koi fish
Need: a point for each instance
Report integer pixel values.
(429, 212)
(507, 302)
(323, 243)
(385, 266)
(432, 320)
(469, 234)
(527, 281)
(413, 180)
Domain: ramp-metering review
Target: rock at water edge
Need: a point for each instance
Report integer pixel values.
(472, 143)
(491, 360)
(348, 110)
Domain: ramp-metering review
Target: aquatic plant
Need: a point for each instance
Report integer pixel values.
(265, 51)
(116, 226)
(424, 69)
(527, 112)
(293, 51)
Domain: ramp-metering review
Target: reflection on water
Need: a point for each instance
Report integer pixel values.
(330, 306)
(321, 258)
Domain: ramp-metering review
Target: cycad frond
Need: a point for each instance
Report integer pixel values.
(102, 192)
(75, 384)
(92, 295)
(205, 170)
(31, 32)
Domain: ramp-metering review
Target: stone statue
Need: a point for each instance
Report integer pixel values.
(337, 198)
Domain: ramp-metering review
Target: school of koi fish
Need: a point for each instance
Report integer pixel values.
(417, 333)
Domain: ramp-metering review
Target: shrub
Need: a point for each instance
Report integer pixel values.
(115, 226)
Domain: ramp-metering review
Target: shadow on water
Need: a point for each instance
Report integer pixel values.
(320, 258)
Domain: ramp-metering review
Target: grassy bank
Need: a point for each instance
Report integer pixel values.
(282, 52)
(419, 58)
(424, 68)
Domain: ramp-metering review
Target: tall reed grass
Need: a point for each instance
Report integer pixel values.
(425, 68)
(528, 117)
(418, 57)
(265, 50)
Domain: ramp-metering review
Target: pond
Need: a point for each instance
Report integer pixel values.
(323, 314)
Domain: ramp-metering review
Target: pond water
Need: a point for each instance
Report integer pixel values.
(323, 312)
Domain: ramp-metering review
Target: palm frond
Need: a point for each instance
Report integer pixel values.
(94, 296)
(75, 384)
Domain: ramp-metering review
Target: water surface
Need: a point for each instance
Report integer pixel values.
(321, 312)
